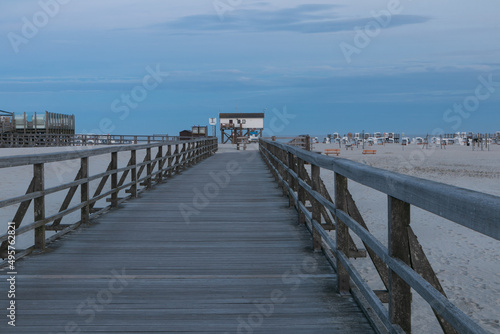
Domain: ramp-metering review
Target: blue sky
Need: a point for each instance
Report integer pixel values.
(155, 66)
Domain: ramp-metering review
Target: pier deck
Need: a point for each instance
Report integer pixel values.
(237, 263)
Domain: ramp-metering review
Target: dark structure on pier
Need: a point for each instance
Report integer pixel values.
(238, 125)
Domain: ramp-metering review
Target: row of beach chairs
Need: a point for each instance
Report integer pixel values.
(336, 151)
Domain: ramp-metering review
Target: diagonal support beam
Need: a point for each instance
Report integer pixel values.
(69, 196)
(20, 213)
(422, 266)
(101, 185)
(380, 266)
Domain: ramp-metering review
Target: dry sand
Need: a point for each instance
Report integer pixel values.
(466, 262)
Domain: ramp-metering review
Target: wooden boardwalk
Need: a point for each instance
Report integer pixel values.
(234, 261)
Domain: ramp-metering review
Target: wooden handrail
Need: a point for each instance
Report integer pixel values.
(481, 213)
(44, 139)
(403, 191)
(157, 167)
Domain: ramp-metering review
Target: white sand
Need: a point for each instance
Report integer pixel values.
(466, 262)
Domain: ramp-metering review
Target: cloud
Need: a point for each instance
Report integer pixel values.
(306, 19)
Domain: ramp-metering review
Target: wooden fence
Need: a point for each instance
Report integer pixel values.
(402, 265)
(12, 139)
(162, 160)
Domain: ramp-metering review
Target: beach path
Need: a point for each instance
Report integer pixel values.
(214, 249)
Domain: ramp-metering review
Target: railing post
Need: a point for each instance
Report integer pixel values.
(160, 164)
(342, 232)
(177, 159)
(275, 153)
(283, 157)
(308, 143)
(39, 205)
(133, 173)
(301, 191)
(316, 206)
(399, 247)
(184, 157)
(84, 191)
(170, 159)
(291, 180)
(149, 168)
(200, 150)
(114, 179)
(193, 154)
(190, 154)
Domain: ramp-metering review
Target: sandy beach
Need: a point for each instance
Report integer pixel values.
(466, 262)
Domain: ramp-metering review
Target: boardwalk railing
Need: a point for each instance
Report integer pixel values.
(14, 139)
(161, 160)
(402, 265)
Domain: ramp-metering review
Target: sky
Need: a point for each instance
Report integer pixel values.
(158, 67)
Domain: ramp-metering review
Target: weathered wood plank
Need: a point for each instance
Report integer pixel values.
(342, 235)
(422, 266)
(399, 247)
(39, 205)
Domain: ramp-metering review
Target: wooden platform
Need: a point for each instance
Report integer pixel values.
(241, 265)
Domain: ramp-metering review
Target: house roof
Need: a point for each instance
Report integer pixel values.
(241, 115)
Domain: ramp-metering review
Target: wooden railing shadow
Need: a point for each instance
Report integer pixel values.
(402, 265)
(162, 160)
